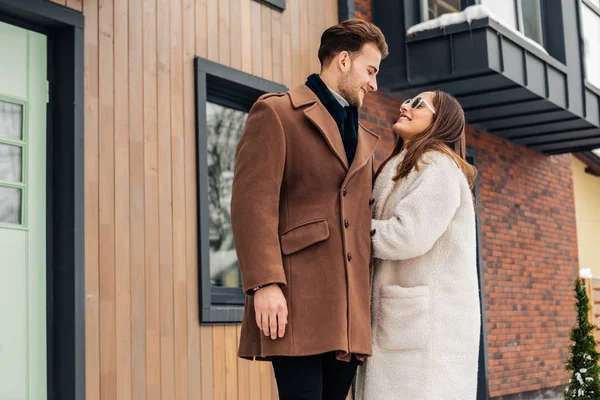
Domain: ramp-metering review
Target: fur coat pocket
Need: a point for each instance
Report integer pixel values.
(403, 320)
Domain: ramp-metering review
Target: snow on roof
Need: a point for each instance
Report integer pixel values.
(467, 15)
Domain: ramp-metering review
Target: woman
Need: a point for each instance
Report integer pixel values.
(425, 301)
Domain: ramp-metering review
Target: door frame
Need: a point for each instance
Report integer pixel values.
(483, 390)
(65, 282)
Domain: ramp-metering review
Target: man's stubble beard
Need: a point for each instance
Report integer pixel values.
(348, 90)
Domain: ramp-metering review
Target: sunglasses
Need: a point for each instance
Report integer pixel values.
(418, 102)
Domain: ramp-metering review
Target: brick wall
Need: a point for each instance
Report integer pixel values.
(363, 9)
(378, 114)
(528, 251)
(529, 259)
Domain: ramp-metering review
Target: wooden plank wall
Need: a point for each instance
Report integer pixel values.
(143, 338)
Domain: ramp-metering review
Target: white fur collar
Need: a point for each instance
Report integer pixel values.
(384, 185)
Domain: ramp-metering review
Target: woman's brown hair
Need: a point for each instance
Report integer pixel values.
(446, 134)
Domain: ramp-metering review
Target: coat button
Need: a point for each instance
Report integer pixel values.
(373, 231)
(344, 192)
(349, 257)
(371, 202)
(346, 223)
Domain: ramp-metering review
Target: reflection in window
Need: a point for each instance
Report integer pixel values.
(590, 23)
(532, 20)
(505, 10)
(10, 205)
(10, 163)
(224, 128)
(11, 121)
(435, 8)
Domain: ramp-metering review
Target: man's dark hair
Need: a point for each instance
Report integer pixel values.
(350, 35)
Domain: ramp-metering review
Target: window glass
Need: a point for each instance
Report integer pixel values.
(11, 121)
(505, 10)
(10, 163)
(224, 128)
(532, 20)
(590, 26)
(10, 205)
(434, 8)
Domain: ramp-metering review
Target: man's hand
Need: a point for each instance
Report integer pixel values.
(271, 311)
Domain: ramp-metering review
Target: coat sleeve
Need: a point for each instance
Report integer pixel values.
(258, 175)
(421, 217)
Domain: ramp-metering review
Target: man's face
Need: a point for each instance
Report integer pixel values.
(359, 75)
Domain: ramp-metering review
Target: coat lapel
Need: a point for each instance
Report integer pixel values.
(367, 141)
(318, 115)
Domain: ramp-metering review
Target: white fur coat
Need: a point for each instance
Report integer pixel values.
(425, 300)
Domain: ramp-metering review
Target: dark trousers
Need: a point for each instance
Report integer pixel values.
(319, 377)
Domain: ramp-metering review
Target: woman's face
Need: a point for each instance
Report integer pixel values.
(415, 116)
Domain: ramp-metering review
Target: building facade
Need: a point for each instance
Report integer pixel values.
(118, 126)
(586, 184)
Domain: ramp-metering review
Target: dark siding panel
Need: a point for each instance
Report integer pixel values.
(569, 146)
(525, 120)
(470, 51)
(536, 81)
(557, 137)
(573, 123)
(557, 87)
(592, 107)
(508, 110)
(428, 59)
(512, 56)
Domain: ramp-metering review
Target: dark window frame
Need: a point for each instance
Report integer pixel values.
(483, 392)
(346, 10)
(231, 88)
(592, 6)
(278, 5)
(463, 4)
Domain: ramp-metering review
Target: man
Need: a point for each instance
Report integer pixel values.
(301, 220)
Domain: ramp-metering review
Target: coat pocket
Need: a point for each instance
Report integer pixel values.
(304, 235)
(403, 321)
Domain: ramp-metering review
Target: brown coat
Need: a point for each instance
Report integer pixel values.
(301, 218)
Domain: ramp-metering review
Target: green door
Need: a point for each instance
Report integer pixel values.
(23, 98)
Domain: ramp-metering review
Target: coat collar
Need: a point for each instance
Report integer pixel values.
(302, 96)
(319, 116)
